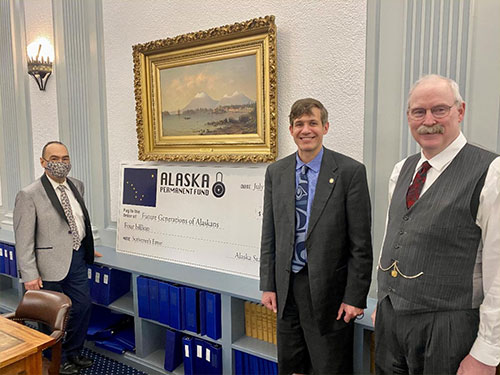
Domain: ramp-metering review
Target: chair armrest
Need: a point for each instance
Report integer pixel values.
(57, 334)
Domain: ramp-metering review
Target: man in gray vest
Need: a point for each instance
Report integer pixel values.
(438, 306)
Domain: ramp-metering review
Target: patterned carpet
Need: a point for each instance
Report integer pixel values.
(107, 366)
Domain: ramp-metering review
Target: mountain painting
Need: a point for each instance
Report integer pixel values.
(210, 98)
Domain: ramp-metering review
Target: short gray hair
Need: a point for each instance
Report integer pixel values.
(453, 86)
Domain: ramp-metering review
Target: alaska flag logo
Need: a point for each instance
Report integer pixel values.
(139, 186)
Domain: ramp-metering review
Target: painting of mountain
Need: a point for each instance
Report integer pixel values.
(201, 100)
(211, 98)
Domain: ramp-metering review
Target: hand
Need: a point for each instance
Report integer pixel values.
(269, 300)
(374, 316)
(349, 312)
(33, 284)
(471, 366)
(97, 254)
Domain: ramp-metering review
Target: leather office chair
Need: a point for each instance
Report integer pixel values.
(50, 308)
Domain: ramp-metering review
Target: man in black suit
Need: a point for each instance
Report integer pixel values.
(316, 250)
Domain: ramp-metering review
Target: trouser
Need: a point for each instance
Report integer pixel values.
(75, 285)
(301, 347)
(422, 343)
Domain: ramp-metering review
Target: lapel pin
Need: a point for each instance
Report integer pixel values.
(331, 180)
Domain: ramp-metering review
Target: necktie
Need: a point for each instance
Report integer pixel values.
(418, 183)
(301, 195)
(69, 215)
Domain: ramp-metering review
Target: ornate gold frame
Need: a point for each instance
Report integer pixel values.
(256, 36)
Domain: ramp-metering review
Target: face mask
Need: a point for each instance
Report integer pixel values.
(58, 169)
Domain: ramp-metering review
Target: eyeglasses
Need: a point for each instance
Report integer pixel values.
(439, 111)
(64, 159)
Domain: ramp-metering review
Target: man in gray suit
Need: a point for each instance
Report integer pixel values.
(438, 306)
(316, 251)
(54, 244)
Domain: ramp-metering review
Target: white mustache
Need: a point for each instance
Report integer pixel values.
(434, 129)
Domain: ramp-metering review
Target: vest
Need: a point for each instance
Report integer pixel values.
(430, 253)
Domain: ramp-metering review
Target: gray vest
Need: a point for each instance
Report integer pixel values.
(435, 242)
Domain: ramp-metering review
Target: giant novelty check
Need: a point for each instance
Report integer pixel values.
(202, 216)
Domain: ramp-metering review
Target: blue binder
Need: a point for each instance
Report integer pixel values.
(12, 260)
(2, 265)
(154, 304)
(200, 363)
(126, 337)
(96, 284)
(164, 302)
(246, 364)
(254, 365)
(202, 311)
(215, 364)
(114, 284)
(102, 321)
(274, 367)
(175, 306)
(213, 315)
(238, 362)
(143, 296)
(111, 345)
(191, 309)
(90, 276)
(189, 355)
(6, 260)
(173, 350)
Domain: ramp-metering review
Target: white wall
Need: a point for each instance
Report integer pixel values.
(321, 54)
(44, 121)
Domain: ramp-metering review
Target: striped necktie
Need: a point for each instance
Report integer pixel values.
(416, 186)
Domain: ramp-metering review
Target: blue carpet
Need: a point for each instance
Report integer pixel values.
(106, 366)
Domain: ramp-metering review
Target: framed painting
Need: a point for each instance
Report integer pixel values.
(208, 95)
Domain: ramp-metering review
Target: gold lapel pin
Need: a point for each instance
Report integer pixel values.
(331, 180)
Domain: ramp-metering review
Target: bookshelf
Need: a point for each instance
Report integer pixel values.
(150, 335)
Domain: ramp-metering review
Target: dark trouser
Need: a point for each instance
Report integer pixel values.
(422, 343)
(75, 286)
(301, 347)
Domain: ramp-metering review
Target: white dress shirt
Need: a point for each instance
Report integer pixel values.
(486, 348)
(75, 206)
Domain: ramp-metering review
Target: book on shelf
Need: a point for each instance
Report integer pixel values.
(213, 315)
(253, 319)
(143, 297)
(260, 322)
(245, 363)
(191, 308)
(154, 299)
(164, 302)
(248, 322)
(173, 350)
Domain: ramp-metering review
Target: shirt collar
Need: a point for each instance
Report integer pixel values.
(442, 159)
(314, 164)
(55, 184)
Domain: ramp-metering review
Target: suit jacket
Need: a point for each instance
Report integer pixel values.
(338, 241)
(43, 237)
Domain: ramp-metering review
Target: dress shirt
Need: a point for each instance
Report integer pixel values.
(486, 348)
(312, 177)
(75, 206)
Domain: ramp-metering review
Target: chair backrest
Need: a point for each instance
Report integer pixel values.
(45, 306)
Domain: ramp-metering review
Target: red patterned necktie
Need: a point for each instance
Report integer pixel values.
(418, 183)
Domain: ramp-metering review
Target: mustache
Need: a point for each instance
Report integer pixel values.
(434, 129)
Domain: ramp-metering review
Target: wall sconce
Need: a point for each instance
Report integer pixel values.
(40, 53)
